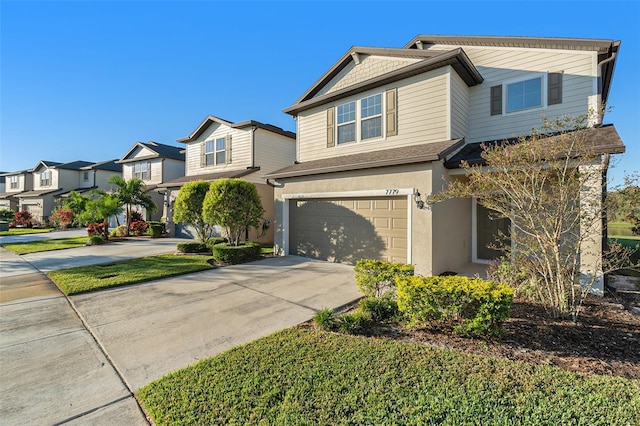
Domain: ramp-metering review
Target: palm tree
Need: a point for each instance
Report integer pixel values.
(100, 208)
(131, 193)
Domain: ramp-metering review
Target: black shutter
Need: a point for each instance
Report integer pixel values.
(496, 100)
(554, 88)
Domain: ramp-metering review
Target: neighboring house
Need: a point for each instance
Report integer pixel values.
(15, 184)
(221, 149)
(54, 180)
(153, 163)
(383, 128)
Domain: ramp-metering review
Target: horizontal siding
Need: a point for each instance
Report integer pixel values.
(369, 67)
(127, 171)
(172, 169)
(272, 152)
(498, 65)
(422, 117)
(459, 107)
(240, 145)
(141, 152)
(156, 172)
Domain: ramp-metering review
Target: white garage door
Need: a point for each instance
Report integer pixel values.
(348, 229)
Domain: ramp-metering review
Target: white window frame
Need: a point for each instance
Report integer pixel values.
(85, 176)
(359, 120)
(353, 122)
(543, 95)
(215, 151)
(142, 174)
(14, 182)
(46, 178)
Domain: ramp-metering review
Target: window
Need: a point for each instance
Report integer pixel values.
(14, 182)
(371, 116)
(142, 171)
(45, 178)
(524, 95)
(215, 152)
(347, 122)
(85, 176)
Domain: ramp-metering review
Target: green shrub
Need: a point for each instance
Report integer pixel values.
(156, 229)
(354, 322)
(215, 240)
(472, 306)
(375, 277)
(139, 227)
(192, 247)
(120, 231)
(7, 214)
(325, 319)
(95, 240)
(244, 252)
(379, 308)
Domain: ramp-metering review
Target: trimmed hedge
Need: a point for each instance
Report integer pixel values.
(192, 247)
(244, 252)
(156, 229)
(472, 306)
(375, 277)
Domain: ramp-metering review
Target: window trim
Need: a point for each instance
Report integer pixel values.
(85, 176)
(14, 182)
(214, 151)
(359, 120)
(45, 182)
(142, 175)
(543, 76)
(347, 123)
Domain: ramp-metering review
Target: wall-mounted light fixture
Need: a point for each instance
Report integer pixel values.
(416, 198)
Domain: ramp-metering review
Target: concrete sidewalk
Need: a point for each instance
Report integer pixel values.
(68, 233)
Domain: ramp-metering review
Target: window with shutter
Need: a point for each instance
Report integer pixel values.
(330, 128)
(391, 113)
(496, 100)
(554, 89)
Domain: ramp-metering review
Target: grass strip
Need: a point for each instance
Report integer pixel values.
(24, 231)
(303, 376)
(94, 277)
(46, 245)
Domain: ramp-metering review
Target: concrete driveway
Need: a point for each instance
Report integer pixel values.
(78, 360)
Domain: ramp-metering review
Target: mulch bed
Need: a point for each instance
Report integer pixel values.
(605, 339)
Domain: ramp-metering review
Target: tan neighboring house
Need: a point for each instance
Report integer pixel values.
(53, 181)
(15, 184)
(221, 149)
(153, 163)
(383, 128)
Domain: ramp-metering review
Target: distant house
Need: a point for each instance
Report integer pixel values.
(221, 149)
(154, 163)
(383, 128)
(15, 183)
(53, 180)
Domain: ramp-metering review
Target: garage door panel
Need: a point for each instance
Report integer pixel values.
(346, 230)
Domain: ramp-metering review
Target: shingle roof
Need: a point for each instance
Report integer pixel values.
(209, 177)
(600, 140)
(73, 165)
(209, 120)
(167, 151)
(40, 193)
(109, 165)
(367, 160)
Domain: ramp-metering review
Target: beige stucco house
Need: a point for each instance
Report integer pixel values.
(222, 149)
(153, 163)
(383, 128)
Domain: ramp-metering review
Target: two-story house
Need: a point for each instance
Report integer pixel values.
(153, 163)
(54, 180)
(222, 149)
(15, 183)
(383, 128)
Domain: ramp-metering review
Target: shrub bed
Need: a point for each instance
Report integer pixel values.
(244, 252)
(156, 229)
(471, 306)
(192, 247)
(375, 277)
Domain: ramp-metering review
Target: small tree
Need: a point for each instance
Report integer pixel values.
(131, 193)
(23, 218)
(100, 209)
(233, 204)
(550, 189)
(77, 204)
(188, 208)
(61, 218)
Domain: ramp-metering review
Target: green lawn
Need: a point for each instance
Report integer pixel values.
(620, 229)
(46, 245)
(94, 277)
(302, 376)
(24, 231)
(635, 258)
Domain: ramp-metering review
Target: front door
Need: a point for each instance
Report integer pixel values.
(491, 232)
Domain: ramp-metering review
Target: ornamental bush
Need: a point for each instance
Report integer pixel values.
(192, 247)
(375, 277)
(379, 308)
(471, 306)
(156, 229)
(244, 252)
(139, 227)
(23, 218)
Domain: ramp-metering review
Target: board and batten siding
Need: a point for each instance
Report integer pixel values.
(497, 65)
(273, 152)
(459, 107)
(421, 118)
(370, 66)
(240, 150)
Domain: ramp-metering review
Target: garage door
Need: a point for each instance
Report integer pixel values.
(348, 229)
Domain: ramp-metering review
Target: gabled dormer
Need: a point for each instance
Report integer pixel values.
(153, 162)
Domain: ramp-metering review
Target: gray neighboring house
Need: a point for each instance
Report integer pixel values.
(383, 128)
(154, 163)
(15, 183)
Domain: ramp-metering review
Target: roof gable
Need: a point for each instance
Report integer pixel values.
(212, 120)
(151, 149)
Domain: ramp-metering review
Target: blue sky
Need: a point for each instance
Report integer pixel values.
(86, 80)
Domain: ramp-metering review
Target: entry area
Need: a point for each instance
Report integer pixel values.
(491, 231)
(345, 230)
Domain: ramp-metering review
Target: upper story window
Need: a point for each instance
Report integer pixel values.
(347, 122)
(371, 116)
(215, 152)
(142, 170)
(45, 178)
(14, 182)
(525, 94)
(85, 176)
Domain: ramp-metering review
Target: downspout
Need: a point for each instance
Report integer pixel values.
(605, 229)
(253, 146)
(602, 100)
